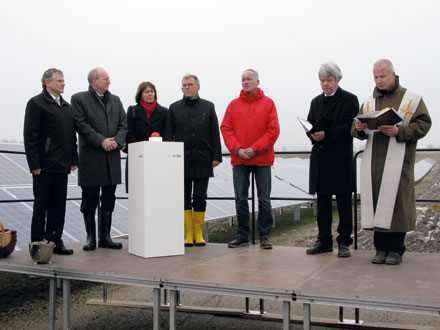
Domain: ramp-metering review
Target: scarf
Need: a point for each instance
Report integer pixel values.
(149, 107)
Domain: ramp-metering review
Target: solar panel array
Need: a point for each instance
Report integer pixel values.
(289, 180)
(16, 184)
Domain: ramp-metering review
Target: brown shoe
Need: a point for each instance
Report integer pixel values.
(239, 241)
(393, 258)
(379, 258)
(265, 243)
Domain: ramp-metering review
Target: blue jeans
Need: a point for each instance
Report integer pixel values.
(263, 180)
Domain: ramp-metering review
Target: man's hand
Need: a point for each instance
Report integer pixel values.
(36, 171)
(109, 144)
(318, 136)
(215, 163)
(360, 126)
(390, 130)
(250, 152)
(242, 154)
(73, 168)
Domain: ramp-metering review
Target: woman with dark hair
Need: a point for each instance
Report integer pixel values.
(147, 116)
(144, 118)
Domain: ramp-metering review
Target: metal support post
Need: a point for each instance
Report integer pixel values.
(104, 292)
(341, 314)
(52, 302)
(173, 303)
(156, 308)
(297, 212)
(356, 315)
(66, 304)
(286, 315)
(247, 309)
(261, 306)
(306, 316)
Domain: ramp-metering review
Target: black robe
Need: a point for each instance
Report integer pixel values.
(331, 160)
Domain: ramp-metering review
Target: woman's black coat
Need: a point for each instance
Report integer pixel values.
(331, 161)
(140, 127)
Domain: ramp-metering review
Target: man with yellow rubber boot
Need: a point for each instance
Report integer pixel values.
(194, 122)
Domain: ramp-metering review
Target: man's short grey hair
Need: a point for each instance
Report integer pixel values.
(330, 69)
(48, 75)
(254, 72)
(94, 73)
(189, 76)
(386, 63)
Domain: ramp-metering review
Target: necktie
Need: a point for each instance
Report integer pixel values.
(58, 101)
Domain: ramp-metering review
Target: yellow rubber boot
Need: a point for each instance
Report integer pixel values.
(199, 221)
(189, 233)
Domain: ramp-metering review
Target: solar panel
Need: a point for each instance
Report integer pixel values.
(289, 179)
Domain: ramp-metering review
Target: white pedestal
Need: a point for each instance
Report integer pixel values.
(155, 199)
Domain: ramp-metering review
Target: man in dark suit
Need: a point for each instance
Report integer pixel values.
(102, 127)
(331, 161)
(51, 153)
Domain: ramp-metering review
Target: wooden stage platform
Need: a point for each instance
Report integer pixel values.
(285, 273)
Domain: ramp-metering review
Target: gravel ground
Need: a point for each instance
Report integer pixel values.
(28, 310)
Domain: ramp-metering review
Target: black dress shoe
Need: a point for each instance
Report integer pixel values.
(343, 251)
(320, 248)
(62, 250)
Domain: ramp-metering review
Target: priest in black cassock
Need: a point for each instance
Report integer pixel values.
(331, 161)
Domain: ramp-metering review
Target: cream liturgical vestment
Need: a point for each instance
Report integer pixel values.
(387, 168)
(392, 170)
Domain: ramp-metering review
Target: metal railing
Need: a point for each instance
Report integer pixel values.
(252, 198)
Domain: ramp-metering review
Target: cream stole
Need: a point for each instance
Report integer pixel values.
(392, 170)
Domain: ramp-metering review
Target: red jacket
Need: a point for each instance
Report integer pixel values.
(251, 121)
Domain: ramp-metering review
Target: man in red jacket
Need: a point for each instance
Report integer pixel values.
(250, 129)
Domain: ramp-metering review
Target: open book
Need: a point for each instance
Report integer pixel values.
(387, 116)
(305, 124)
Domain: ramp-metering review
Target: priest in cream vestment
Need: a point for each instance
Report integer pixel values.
(387, 169)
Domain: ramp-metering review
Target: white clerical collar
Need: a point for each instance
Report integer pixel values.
(330, 94)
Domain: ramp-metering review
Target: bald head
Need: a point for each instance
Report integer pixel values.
(99, 80)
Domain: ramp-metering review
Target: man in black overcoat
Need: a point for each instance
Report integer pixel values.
(193, 121)
(102, 128)
(51, 153)
(331, 161)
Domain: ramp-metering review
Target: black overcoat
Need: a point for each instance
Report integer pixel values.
(331, 160)
(96, 120)
(195, 123)
(49, 135)
(140, 126)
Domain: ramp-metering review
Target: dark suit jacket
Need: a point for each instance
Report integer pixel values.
(331, 161)
(49, 135)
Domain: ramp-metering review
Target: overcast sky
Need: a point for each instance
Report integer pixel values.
(160, 41)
